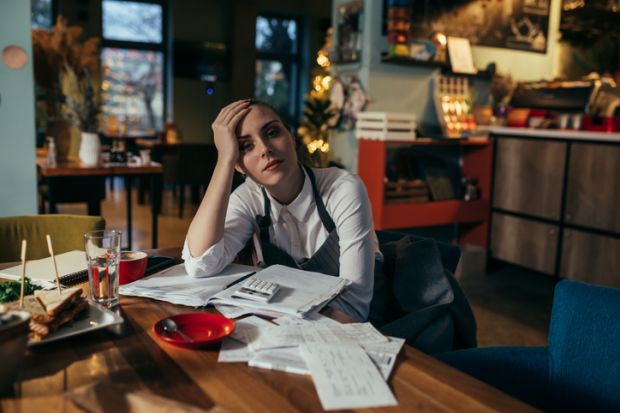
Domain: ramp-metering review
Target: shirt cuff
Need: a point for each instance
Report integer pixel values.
(205, 265)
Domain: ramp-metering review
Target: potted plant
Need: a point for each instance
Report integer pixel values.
(66, 70)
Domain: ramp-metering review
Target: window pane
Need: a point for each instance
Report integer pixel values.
(132, 90)
(276, 35)
(41, 14)
(132, 21)
(273, 85)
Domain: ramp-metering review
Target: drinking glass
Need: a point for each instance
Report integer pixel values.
(103, 252)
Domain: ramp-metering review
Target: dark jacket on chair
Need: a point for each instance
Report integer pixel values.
(416, 296)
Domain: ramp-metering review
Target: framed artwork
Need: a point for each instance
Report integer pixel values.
(511, 24)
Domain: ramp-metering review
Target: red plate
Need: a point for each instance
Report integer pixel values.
(202, 328)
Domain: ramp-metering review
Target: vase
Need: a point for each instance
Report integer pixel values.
(90, 147)
(60, 130)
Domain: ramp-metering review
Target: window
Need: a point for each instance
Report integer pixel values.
(133, 57)
(277, 64)
(42, 14)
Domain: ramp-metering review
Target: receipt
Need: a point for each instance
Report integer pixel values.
(345, 377)
(294, 335)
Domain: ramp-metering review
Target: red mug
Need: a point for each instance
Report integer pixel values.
(132, 266)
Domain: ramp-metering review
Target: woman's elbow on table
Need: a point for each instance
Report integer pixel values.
(201, 270)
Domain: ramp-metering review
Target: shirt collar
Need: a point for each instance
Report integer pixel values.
(300, 207)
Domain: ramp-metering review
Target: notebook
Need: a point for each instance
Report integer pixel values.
(301, 292)
(72, 268)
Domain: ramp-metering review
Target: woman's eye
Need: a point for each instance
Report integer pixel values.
(245, 147)
(273, 132)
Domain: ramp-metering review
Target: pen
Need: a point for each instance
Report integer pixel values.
(240, 279)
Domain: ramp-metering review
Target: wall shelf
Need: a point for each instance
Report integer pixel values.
(471, 216)
(444, 67)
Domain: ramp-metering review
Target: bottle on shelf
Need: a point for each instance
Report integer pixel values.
(51, 152)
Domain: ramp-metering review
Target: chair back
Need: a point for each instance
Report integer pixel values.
(416, 296)
(450, 254)
(67, 233)
(584, 347)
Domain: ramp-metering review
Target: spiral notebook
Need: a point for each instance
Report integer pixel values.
(72, 268)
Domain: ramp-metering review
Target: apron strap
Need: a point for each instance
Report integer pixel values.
(320, 206)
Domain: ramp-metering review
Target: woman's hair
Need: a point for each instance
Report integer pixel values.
(257, 102)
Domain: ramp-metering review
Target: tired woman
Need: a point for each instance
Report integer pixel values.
(314, 219)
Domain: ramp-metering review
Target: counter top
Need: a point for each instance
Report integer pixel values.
(565, 134)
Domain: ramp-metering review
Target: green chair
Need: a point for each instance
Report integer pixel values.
(67, 233)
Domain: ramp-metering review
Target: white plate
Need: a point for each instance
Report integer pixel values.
(95, 318)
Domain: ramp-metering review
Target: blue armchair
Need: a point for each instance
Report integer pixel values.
(416, 297)
(578, 370)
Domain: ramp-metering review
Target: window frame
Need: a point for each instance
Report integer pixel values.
(295, 59)
(163, 47)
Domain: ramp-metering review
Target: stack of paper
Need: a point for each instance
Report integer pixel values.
(176, 286)
(349, 363)
(301, 292)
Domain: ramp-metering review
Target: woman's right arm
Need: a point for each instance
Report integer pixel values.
(207, 226)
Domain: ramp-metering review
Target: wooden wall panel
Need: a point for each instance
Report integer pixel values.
(591, 258)
(593, 193)
(528, 176)
(524, 242)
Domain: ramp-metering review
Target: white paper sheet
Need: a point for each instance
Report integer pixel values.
(293, 335)
(176, 286)
(301, 292)
(246, 323)
(345, 377)
(233, 351)
(384, 354)
(232, 311)
(282, 359)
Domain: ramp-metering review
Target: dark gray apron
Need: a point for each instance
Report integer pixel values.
(325, 260)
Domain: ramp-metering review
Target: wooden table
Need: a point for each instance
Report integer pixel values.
(73, 167)
(131, 355)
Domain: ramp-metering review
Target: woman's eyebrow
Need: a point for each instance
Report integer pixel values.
(266, 125)
(262, 129)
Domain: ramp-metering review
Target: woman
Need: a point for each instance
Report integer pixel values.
(314, 219)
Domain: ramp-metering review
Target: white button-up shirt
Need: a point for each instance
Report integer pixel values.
(297, 229)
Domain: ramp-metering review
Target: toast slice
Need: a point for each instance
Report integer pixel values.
(54, 303)
(49, 310)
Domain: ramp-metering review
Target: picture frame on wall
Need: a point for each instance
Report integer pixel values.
(511, 24)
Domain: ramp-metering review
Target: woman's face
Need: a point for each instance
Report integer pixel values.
(266, 148)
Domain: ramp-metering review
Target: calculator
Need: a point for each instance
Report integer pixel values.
(257, 290)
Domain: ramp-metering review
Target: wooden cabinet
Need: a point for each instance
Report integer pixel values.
(555, 205)
(593, 194)
(591, 257)
(528, 176)
(524, 242)
(471, 216)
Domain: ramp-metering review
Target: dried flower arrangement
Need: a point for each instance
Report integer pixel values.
(66, 70)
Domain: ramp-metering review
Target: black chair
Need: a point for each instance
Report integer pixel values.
(417, 298)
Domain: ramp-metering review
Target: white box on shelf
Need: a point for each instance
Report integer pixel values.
(385, 126)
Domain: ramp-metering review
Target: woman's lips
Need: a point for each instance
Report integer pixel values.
(272, 165)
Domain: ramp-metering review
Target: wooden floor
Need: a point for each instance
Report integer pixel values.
(512, 307)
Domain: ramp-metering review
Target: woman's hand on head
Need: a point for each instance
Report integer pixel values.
(224, 129)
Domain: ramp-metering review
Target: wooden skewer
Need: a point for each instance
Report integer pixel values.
(21, 291)
(51, 250)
